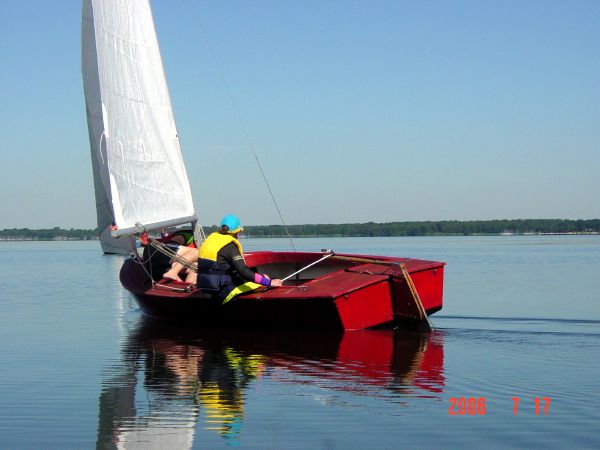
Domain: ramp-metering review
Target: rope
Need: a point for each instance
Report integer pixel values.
(135, 258)
(164, 249)
(243, 127)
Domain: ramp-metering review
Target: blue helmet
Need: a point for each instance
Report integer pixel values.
(232, 223)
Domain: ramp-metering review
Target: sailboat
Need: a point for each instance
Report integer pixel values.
(139, 174)
(142, 186)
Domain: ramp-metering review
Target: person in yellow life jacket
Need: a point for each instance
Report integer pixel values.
(221, 265)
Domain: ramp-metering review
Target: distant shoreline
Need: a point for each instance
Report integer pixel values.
(370, 229)
(246, 236)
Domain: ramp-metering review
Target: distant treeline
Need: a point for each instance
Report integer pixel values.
(429, 228)
(47, 234)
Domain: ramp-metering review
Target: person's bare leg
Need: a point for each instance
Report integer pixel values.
(190, 254)
(191, 276)
(173, 272)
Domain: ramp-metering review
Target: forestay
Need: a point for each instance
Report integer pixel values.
(139, 174)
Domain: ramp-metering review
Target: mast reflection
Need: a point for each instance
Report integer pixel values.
(174, 383)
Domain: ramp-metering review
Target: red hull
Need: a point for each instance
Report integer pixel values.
(337, 294)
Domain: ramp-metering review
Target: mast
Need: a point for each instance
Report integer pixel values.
(139, 173)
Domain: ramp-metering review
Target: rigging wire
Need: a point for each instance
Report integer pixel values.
(165, 250)
(245, 132)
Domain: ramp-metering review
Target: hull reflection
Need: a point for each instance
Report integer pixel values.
(175, 383)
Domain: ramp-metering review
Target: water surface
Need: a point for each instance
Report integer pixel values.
(81, 367)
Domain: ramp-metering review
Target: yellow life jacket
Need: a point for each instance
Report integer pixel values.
(209, 251)
(214, 243)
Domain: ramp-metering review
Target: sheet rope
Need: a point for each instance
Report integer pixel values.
(165, 250)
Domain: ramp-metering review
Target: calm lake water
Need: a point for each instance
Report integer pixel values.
(514, 362)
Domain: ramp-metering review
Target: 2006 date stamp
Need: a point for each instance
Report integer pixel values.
(477, 406)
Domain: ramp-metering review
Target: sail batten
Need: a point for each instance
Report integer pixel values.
(139, 173)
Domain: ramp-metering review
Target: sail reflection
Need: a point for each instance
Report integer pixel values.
(173, 384)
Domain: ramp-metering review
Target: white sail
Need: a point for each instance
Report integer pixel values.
(139, 174)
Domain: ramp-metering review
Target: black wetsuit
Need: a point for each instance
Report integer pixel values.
(230, 261)
(224, 274)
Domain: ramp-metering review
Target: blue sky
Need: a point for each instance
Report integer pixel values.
(359, 111)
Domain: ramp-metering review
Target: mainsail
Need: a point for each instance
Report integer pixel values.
(139, 174)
